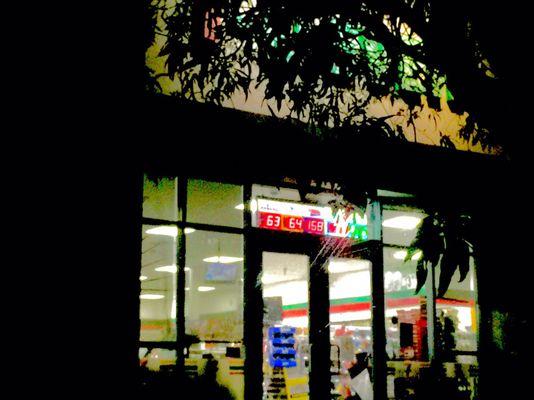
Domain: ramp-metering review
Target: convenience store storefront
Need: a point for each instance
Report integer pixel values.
(260, 254)
(286, 288)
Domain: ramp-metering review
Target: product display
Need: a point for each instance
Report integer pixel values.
(285, 376)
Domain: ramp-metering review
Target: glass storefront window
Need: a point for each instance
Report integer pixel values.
(214, 309)
(456, 313)
(158, 283)
(214, 286)
(405, 311)
(456, 331)
(214, 203)
(399, 226)
(409, 324)
(160, 198)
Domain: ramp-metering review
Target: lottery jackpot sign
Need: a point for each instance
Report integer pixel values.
(309, 219)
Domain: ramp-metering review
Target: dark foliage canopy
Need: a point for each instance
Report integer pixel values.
(323, 57)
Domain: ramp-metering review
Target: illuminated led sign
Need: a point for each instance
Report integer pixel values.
(310, 219)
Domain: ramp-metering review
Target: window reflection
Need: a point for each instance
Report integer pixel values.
(214, 203)
(160, 198)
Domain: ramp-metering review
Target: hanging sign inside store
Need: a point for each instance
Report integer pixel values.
(310, 219)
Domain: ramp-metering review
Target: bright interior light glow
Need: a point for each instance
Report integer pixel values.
(168, 268)
(187, 231)
(350, 316)
(340, 265)
(223, 259)
(187, 269)
(402, 222)
(148, 296)
(143, 278)
(269, 279)
(297, 322)
(253, 206)
(205, 288)
(164, 231)
(464, 318)
(240, 207)
(401, 255)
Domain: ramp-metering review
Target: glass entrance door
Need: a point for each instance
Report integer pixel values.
(350, 326)
(316, 318)
(286, 355)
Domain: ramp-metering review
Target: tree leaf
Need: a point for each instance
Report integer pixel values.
(447, 268)
(464, 256)
(429, 240)
(409, 253)
(421, 273)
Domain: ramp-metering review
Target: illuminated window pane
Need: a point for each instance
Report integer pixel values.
(214, 203)
(158, 284)
(214, 310)
(160, 198)
(214, 286)
(400, 226)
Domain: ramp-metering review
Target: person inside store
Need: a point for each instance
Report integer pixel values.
(360, 384)
(209, 388)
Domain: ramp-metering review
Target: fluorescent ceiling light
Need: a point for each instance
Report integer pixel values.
(167, 268)
(401, 255)
(205, 288)
(187, 269)
(339, 266)
(223, 259)
(151, 296)
(403, 222)
(164, 231)
(143, 278)
(240, 207)
(187, 231)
